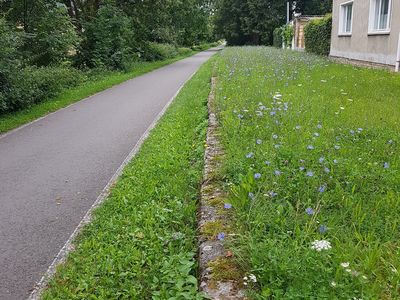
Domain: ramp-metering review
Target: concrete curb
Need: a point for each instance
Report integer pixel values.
(211, 249)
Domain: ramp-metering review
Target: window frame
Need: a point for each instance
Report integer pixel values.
(342, 11)
(372, 18)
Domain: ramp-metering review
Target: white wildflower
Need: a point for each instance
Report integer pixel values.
(253, 277)
(321, 245)
(333, 284)
(345, 264)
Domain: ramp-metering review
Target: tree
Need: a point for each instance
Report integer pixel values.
(313, 7)
(107, 39)
(249, 21)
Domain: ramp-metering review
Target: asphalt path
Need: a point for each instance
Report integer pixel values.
(52, 170)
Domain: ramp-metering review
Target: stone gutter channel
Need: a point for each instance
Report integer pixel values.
(220, 278)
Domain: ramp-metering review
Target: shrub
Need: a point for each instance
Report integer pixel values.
(107, 40)
(278, 40)
(32, 85)
(184, 51)
(287, 35)
(155, 51)
(53, 37)
(317, 35)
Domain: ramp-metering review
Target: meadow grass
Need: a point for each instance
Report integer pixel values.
(142, 242)
(312, 168)
(97, 83)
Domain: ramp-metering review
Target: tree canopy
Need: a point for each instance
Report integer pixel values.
(252, 22)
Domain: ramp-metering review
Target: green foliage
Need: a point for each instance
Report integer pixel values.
(54, 36)
(32, 85)
(250, 21)
(156, 51)
(107, 39)
(287, 35)
(9, 61)
(314, 7)
(278, 40)
(317, 34)
(276, 104)
(142, 242)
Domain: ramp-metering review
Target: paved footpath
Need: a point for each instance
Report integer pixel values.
(52, 170)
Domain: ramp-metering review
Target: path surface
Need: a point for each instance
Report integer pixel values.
(53, 170)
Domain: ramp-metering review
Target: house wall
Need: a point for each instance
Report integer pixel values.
(381, 49)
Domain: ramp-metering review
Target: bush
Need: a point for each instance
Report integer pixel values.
(107, 40)
(317, 35)
(53, 37)
(184, 51)
(287, 35)
(32, 85)
(278, 40)
(156, 51)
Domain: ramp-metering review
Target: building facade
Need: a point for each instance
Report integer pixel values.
(366, 30)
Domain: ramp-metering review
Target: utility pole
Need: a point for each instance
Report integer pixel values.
(288, 13)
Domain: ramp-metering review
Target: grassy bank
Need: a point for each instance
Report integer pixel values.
(312, 166)
(142, 241)
(98, 83)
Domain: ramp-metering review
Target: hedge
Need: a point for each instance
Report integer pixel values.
(317, 35)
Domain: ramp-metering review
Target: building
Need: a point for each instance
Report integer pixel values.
(367, 31)
(298, 27)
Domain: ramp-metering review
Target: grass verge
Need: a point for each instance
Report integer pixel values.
(312, 162)
(142, 241)
(13, 120)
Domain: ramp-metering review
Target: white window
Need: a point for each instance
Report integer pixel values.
(346, 18)
(379, 16)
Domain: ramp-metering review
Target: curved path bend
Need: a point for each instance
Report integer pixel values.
(52, 170)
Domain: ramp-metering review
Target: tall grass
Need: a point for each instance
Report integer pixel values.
(312, 165)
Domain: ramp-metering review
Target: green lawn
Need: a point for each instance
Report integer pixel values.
(142, 242)
(313, 170)
(97, 84)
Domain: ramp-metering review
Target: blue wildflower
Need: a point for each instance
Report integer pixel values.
(327, 170)
(322, 189)
(267, 162)
(335, 161)
(390, 142)
(273, 194)
(227, 206)
(323, 229)
(319, 126)
(259, 142)
(310, 147)
(251, 196)
(240, 116)
(277, 172)
(310, 173)
(274, 136)
(352, 132)
(257, 176)
(221, 236)
(337, 147)
(250, 155)
(360, 130)
(302, 168)
(321, 160)
(309, 211)
(386, 165)
(273, 113)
